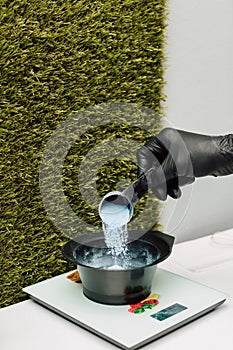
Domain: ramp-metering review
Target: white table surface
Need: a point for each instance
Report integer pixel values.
(208, 260)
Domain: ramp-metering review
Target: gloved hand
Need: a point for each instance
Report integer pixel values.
(178, 157)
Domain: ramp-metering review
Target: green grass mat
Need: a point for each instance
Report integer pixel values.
(57, 57)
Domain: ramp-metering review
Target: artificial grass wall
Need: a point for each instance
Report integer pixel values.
(57, 57)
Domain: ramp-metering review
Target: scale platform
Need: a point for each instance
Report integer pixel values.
(180, 301)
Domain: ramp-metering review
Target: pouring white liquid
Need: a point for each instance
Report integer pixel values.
(116, 211)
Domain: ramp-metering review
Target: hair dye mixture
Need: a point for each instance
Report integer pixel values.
(138, 254)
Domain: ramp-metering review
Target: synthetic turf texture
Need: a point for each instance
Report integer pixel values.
(58, 57)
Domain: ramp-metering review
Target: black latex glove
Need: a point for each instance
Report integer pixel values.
(178, 157)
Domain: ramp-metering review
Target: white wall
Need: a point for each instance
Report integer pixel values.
(200, 99)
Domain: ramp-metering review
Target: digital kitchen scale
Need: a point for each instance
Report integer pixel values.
(180, 301)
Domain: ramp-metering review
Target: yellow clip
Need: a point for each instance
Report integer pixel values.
(152, 296)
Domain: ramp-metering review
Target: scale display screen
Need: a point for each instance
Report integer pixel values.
(168, 312)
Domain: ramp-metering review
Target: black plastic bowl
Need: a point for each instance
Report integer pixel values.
(118, 287)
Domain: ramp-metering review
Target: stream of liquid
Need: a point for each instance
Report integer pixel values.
(116, 238)
(115, 218)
